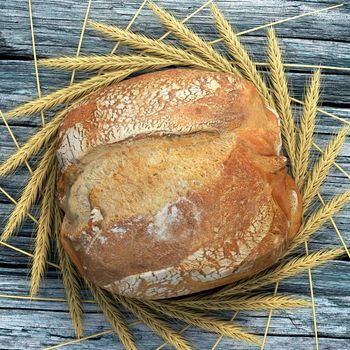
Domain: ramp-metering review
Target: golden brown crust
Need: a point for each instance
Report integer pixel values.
(192, 194)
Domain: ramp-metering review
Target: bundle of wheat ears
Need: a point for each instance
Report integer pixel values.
(298, 139)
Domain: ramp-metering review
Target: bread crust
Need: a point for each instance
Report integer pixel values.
(150, 236)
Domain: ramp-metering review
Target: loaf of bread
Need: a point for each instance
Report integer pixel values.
(173, 182)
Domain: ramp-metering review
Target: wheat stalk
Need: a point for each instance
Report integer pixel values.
(192, 40)
(318, 218)
(282, 98)
(150, 46)
(108, 62)
(241, 56)
(30, 192)
(256, 302)
(42, 239)
(307, 127)
(113, 315)
(153, 322)
(321, 168)
(69, 277)
(69, 93)
(281, 271)
(201, 320)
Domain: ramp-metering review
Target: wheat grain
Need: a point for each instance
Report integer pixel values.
(241, 56)
(69, 278)
(257, 302)
(192, 40)
(307, 127)
(113, 315)
(150, 46)
(318, 218)
(69, 93)
(282, 98)
(30, 192)
(324, 112)
(42, 239)
(201, 320)
(153, 322)
(320, 170)
(281, 271)
(108, 62)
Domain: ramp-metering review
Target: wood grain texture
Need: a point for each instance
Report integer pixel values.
(319, 39)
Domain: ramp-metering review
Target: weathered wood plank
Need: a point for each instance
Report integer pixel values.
(57, 31)
(44, 333)
(14, 182)
(40, 329)
(326, 128)
(18, 84)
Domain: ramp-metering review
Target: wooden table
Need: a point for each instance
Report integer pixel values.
(322, 38)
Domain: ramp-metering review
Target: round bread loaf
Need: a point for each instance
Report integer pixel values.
(173, 182)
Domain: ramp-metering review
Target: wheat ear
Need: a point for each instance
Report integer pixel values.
(307, 127)
(282, 271)
(201, 320)
(113, 315)
(33, 145)
(69, 277)
(257, 302)
(322, 166)
(69, 93)
(42, 239)
(108, 62)
(192, 40)
(318, 218)
(150, 46)
(153, 322)
(282, 98)
(30, 192)
(240, 54)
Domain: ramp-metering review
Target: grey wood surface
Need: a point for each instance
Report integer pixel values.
(319, 39)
